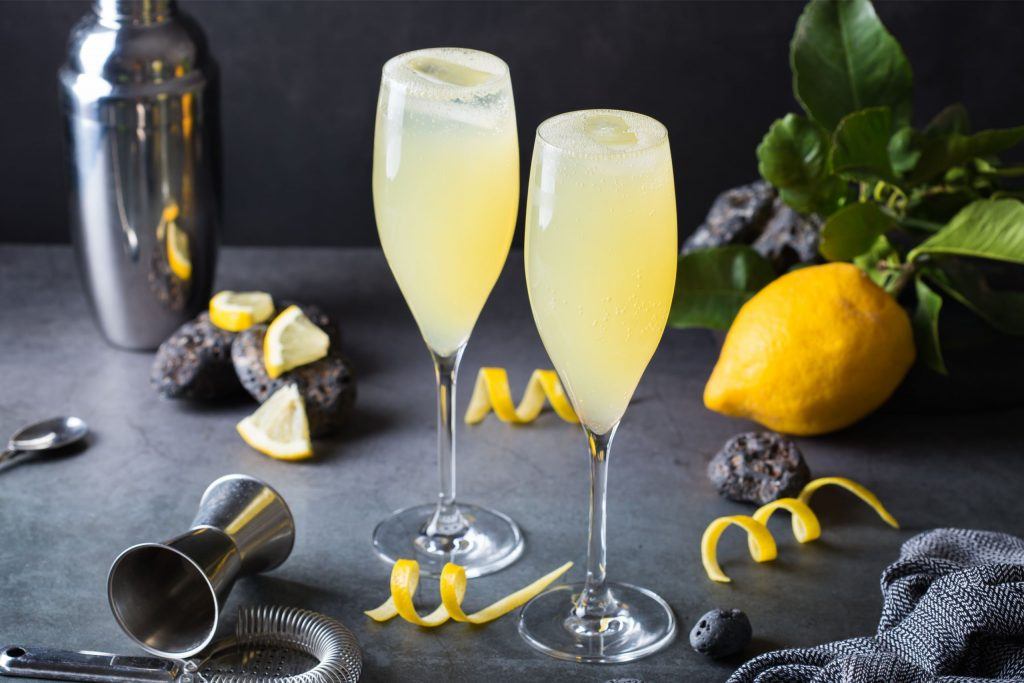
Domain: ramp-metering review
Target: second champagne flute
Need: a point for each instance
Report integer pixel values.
(601, 270)
(445, 194)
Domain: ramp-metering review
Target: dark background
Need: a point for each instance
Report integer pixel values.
(299, 87)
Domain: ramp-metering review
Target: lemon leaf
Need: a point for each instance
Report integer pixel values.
(713, 284)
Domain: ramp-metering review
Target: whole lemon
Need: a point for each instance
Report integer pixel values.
(814, 351)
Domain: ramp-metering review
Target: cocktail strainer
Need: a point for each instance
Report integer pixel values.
(270, 645)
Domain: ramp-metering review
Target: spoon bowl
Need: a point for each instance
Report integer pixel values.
(49, 434)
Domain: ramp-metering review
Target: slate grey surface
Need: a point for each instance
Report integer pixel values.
(140, 479)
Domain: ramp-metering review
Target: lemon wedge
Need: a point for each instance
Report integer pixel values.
(178, 255)
(292, 340)
(237, 311)
(405, 577)
(279, 427)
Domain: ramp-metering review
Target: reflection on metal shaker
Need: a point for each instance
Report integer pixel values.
(138, 121)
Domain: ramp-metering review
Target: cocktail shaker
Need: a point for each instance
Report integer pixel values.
(139, 116)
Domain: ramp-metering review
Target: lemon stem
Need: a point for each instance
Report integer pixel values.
(906, 273)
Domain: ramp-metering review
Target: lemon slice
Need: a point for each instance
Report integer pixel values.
(178, 255)
(279, 427)
(292, 340)
(237, 311)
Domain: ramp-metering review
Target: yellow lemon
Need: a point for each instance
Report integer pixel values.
(814, 351)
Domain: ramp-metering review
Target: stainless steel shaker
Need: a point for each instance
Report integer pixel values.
(139, 122)
(168, 597)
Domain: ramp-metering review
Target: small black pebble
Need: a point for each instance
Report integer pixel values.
(758, 467)
(727, 633)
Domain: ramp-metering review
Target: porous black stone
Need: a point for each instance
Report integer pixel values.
(758, 467)
(195, 362)
(327, 386)
(721, 633)
(788, 237)
(736, 217)
(754, 214)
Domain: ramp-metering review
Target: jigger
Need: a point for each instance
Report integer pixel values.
(168, 596)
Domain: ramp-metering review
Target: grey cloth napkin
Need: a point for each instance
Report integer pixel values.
(953, 611)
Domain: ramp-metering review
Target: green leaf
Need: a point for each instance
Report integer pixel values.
(1002, 309)
(952, 119)
(902, 154)
(844, 59)
(860, 146)
(941, 151)
(987, 228)
(881, 262)
(712, 285)
(852, 230)
(793, 156)
(926, 326)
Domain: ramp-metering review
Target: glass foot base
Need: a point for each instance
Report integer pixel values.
(492, 542)
(641, 625)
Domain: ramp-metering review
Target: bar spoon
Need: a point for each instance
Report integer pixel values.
(47, 435)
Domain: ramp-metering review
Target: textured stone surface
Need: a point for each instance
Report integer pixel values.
(758, 467)
(753, 214)
(149, 460)
(195, 363)
(721, 633)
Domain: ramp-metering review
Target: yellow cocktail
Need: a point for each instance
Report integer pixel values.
(445, 193)
(600, 268)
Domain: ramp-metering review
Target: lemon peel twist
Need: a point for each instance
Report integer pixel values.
(856, 489)
(761, 543)
(805, 524)
(405, 577)
(492, 392)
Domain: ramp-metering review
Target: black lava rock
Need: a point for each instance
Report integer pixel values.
(736, 217)
(327, 386)
(758, 467)
(195, 362)
(721, 633)
(788, 237)
(755, 215)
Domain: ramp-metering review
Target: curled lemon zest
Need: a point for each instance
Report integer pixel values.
(854, 488)
(453, 590)
(760, 543)
(405, 576)
(804, 522)
(492, 392)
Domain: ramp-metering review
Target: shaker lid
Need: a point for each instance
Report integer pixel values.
(129, 49)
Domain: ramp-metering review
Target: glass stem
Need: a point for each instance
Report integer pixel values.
(447, 524)
(595, 601)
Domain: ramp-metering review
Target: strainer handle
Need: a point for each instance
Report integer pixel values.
(88, 667)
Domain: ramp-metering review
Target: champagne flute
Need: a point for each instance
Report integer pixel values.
(445, 194)
(600, 269)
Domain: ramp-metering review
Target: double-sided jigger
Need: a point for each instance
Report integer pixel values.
(168, 596)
